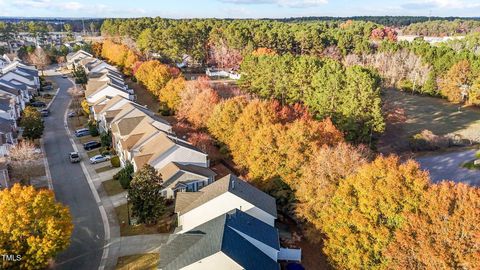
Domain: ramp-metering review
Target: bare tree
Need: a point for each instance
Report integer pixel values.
(76, 104)
(39, 58)
(23, 157)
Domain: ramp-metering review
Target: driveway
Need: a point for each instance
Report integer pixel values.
(72, 189)
(449, 166)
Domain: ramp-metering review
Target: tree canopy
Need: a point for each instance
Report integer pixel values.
(33, 225)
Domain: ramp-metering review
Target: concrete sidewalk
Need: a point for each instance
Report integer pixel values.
(139, 244)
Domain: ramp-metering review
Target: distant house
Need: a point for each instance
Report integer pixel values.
(8, 108)
(75, 57)
(232, 240)
(211, 72)
(8, 135)
(220, 197)
(16, 94)
(178, 177)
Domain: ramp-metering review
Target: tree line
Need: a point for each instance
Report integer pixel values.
(369, 212)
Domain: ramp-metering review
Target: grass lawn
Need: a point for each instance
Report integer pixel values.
(422, 112)
(166, 224)
(112, 187)
(105, 168)
(138, 262)
(93, 153)
(470, 165)
(87, 138)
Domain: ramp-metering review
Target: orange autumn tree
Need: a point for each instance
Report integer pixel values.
(264, 51)
(197, 103)
(224, 117)
(457, 78)
(444, 234)
(367, 209)
(320, 178)
(154, 75)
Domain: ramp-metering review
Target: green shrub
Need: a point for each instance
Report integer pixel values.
(93, 129)
(115, 161)
(125, 176)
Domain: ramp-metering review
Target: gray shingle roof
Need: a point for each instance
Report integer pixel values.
(4, 103)
(222, 234)
(10, 90)
(20, 86)
(236, 186)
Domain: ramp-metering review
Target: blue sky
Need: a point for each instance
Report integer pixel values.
(235, 8)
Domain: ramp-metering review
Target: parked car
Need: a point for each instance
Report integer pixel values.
(47, 88)
(91, 145)
(99, 158)
(38, 104)
(74, 157)
(82, 132)
(64, 76)
(45, 112)
(72, 114)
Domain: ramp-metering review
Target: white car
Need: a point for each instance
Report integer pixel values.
(99, 158)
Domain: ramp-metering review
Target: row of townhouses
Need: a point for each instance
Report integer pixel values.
(18, 84)
(222, 224)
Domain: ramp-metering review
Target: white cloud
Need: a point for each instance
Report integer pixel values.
(442, 4)
(48, 4)
(282, 3)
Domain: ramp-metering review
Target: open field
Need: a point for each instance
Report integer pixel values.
(434, 114)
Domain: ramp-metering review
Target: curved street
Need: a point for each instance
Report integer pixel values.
(72, 189)
(448, 166)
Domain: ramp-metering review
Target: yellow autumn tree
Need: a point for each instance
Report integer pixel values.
(170, 94)
(154, 75)
(255, 115)
(456, 81)
(368, 208)
(33, 225)
(130, 59)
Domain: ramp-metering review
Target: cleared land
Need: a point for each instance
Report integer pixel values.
(422, 112)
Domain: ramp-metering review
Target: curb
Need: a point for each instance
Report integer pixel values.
(45, 163)
(103, 213)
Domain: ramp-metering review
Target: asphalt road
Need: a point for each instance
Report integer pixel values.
(72, 189)
(449, 166)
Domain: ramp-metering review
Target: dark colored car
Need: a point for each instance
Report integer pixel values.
(45, 112)
(91, 145)
(38, 104)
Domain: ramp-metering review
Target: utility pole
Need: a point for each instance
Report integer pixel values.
(83, 25)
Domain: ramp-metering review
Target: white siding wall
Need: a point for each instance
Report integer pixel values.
(216, 261)
(219, 206)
